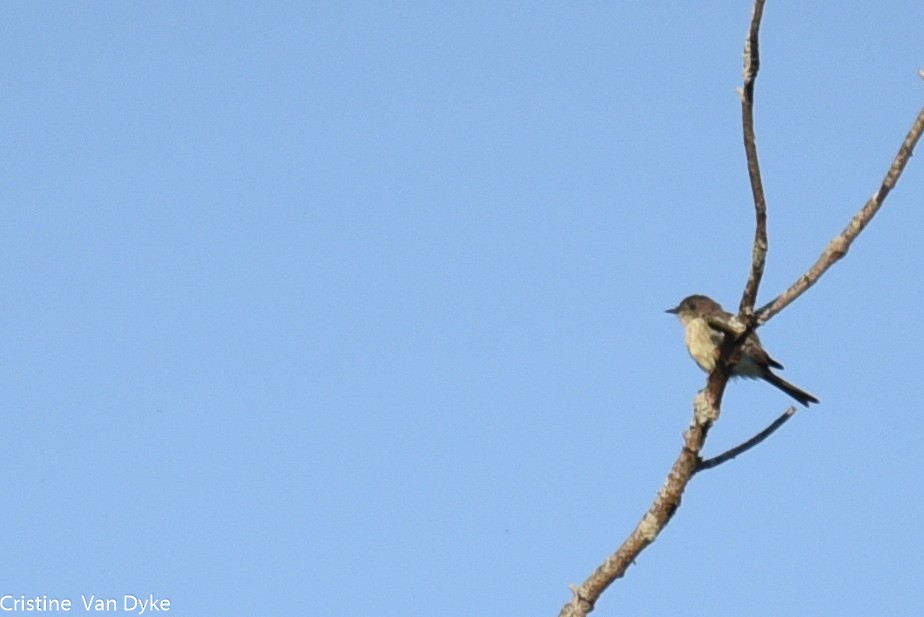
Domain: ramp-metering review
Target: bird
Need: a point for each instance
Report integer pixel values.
(703, 341)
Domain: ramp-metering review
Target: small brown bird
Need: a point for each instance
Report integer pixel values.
(703, 342)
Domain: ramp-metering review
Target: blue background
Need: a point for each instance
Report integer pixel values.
(355, 308)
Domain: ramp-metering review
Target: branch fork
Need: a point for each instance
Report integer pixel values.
(707, 403)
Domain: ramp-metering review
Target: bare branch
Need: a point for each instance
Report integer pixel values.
(839, 246)
(705, 412)
(706, 404)
(747, 445)
(759, 252)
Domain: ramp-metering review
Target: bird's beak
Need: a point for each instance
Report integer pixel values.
(673, 311)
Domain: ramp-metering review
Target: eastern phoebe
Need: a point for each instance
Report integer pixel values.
(703, 343)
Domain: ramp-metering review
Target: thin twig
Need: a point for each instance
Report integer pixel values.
(839, 246)
(759, 251)
(747, 445)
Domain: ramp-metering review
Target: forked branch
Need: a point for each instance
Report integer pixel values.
(706, 404)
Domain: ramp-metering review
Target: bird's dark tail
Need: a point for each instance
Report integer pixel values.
(800, 395)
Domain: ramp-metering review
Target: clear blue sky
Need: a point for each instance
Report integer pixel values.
(357, 308)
